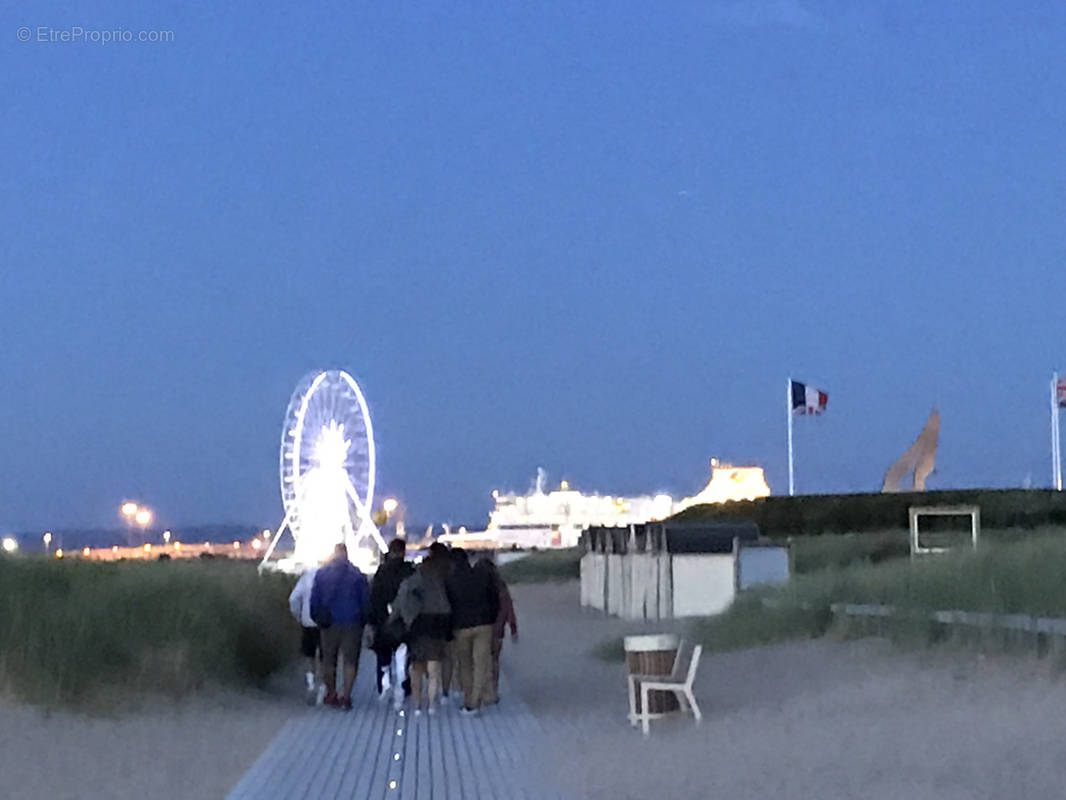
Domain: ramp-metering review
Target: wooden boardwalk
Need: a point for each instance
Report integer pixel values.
(377, 753)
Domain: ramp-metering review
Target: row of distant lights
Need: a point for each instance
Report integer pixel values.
(11, 545)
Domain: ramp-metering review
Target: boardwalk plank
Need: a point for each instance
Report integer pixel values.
(268, 767)
(361, 749)
(359, 745)
(449, 753)
(300, 742)
(324, 754)
(438, 782)
(408, 786)
(368, 780)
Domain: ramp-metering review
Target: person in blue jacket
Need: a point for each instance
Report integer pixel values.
(339, 600)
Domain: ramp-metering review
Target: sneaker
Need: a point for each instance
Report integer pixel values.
(344, 703)
(432, 710)
(331, 699)
(320, 694)
(466, 711)
(418, 712)
(444, 699)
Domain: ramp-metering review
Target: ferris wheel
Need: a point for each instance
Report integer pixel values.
(327, 472)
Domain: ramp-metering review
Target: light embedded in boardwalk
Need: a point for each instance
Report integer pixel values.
(367, 754)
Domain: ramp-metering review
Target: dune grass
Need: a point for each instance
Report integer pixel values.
(74, 632)
(1006, 576)
(544, 566)
(812, 553)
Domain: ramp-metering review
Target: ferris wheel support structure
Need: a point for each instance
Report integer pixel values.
(327, 466)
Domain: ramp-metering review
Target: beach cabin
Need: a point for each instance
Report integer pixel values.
(662, 570)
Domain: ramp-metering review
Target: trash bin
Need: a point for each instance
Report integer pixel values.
(653, 655)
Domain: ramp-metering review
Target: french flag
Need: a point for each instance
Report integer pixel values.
(807, 399)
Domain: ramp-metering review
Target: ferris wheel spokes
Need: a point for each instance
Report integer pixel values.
(327, 471)
(365, 520)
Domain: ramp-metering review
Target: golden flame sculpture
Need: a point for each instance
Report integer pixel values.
(919, 457)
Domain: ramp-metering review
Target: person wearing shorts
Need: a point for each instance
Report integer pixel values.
(310, 648)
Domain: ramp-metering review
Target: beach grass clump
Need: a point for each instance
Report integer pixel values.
(751, 623)
(75, 631)
(812, 553)
(544, 566)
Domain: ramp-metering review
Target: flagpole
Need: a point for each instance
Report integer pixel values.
(788, 415)
(1056, 457)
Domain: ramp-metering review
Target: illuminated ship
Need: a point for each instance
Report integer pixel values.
(556, 518)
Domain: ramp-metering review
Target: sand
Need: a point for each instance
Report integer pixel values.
(196, 748)
(811, 719)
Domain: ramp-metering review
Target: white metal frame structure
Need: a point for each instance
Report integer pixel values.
(327, 458)
(973, 512)
(682, 689)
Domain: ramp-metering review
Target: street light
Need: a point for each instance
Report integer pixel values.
(166, 537)
(143, 517)
(47, 539)
(390, 505)
(10, 544)
(128, 510)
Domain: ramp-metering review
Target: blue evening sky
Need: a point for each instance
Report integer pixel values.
(593, 237)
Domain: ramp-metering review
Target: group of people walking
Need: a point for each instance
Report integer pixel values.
(433, 627)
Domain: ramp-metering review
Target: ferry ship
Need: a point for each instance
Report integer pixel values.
(556, 518)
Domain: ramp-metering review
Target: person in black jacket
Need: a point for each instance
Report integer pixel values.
(475, 603)
(392, 572)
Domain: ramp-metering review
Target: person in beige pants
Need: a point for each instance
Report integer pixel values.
(474, 601)
(505, 616)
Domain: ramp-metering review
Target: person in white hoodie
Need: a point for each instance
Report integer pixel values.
(310, 642)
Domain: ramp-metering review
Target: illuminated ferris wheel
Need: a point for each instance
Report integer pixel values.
(327, 472)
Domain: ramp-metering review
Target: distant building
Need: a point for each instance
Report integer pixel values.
(728, 483)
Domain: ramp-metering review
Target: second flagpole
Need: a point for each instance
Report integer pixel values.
(788, 416)
(1056, 452)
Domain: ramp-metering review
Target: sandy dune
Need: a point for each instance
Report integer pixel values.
(815, 719)
(192, 750)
